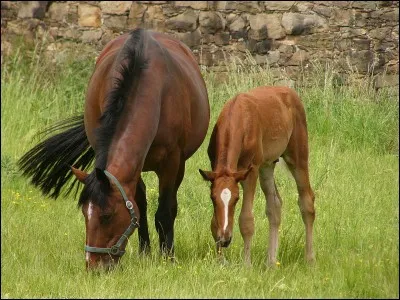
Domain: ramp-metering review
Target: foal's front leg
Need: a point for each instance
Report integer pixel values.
(273, 210)
(246, 218)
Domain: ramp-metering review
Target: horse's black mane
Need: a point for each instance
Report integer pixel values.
(129, 64)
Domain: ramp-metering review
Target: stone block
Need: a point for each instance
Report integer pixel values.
(192, 4)
(380, 33)
(298, 58)
(278, 5)
(186, 21)
(343, 17)
(274, 28)
(191, 39)
(237, 24)
(392, 16)
(364, 5)
(244, 6)
(361, 44)
(136, 14)
(258, 26)
(323, 10)
(361, 60)
(263, 47)
(58, 11)
(386, 81)
(115, 7)
(32, 9)
(211, 22)
(88, 15)
(249, 6)
(273, 56)
(153, 18)
(69, 33)
(296, 23)
(91, 36)
(116, 22)
(222, 38)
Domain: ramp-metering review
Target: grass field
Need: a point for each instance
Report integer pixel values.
(353, 136)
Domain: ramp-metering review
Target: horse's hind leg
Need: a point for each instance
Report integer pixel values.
(296, 157)
(143, 230)
(273, 210)
(170, 178)
(246, 218)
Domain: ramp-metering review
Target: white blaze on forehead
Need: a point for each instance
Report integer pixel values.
(87, 256)
(226, 197)
(90, 210)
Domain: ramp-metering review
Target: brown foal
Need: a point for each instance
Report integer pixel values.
(253, 130)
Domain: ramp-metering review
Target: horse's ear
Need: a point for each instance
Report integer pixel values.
(242, 175)
(101, 176)
(80, 175)
(207, 175)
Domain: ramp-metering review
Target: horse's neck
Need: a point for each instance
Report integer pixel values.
(135, 134)
(228, 147)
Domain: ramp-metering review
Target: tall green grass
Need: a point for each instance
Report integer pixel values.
(353, 133)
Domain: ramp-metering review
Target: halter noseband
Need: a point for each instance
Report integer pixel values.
(115, 249)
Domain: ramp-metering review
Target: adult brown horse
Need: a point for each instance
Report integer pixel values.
(253, 130)
(146, 110)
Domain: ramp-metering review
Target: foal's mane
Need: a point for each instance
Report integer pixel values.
(130, 62)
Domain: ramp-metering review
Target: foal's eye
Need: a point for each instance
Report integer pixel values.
(105, 219)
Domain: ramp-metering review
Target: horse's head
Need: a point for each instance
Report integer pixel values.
(110, 214)
(224, 196)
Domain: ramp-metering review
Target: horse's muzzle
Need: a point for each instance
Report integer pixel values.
(224, 242)
(102, 263)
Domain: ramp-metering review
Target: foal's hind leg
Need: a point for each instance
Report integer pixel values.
(170, 178)
(296, 157)
(246, 218)
(273, 210)
(143, 230)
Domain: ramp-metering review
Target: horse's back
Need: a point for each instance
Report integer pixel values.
(184, 90)
(267, 115)
(184, 115)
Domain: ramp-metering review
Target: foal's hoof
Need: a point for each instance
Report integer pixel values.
(274, 265)
(222, 261)
(311, 262)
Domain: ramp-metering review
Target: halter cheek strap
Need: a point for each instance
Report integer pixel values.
(116, 249)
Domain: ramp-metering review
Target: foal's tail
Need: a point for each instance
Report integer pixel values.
(48, 163)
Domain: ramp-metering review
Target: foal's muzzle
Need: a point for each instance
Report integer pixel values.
(224, 242)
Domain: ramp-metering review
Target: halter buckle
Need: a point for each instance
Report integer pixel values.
(114, 250)
(129, 205)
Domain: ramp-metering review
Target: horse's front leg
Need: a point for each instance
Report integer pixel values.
(273, 211)
(246, 218)
(143, 230)
(170, 177)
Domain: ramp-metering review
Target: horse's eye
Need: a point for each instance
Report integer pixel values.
(105, 219)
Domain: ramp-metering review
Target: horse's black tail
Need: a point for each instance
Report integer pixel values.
(48, 163)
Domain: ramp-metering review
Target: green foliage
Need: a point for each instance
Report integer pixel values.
(353, 132)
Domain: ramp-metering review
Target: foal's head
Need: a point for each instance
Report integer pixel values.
(107, 219)
(224, 196)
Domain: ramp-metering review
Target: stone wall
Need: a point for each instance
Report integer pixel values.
(288, 35)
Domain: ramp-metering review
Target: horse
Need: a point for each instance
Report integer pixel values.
(146, 109)
(253, 130)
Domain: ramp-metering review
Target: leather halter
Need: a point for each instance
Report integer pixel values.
(115, 249)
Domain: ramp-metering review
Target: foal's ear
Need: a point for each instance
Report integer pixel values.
(242, 175)
(207, 175)
(101, 176)
(80, 175)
